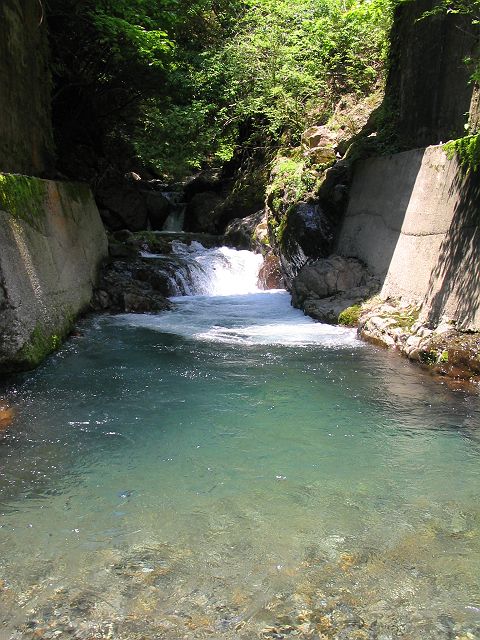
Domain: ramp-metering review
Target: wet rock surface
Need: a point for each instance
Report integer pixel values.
(248, 233)
(132, 287)
(308, 234)
(270, 275)
(203, 212)
(130, 282)
(132, 203)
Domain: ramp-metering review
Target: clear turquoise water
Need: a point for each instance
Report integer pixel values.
(232, 469)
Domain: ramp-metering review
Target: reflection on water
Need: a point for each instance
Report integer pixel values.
(164, 483)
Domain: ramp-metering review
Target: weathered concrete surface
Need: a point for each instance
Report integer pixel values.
(25, 124)
(428, 89)
(413, 219)
(51, 243)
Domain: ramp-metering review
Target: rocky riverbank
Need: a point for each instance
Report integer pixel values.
(339, 290)
(442, 349)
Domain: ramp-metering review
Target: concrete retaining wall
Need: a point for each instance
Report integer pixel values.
(51, 243)
(26, 139)
(414, 219)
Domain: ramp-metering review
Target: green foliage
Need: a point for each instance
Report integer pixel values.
(349, 317)
(405, 318)
(290, 60)
(22, 197)
(467, 150)
(182, 83)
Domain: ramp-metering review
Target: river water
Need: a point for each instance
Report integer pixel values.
(232, 469)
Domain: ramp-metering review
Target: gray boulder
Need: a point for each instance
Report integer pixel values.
(158, 209)
(126, 206)
(325, 288)
(327, 277)
(245, 233)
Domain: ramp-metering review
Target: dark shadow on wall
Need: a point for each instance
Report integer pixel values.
(458, 268)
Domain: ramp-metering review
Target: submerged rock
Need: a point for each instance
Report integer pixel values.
(7, 414)
(443, 350)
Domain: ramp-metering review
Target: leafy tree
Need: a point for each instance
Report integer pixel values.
(181, 83)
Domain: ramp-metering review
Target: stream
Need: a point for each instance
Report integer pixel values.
(232, 469)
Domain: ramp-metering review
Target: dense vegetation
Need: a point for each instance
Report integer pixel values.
(181, 83)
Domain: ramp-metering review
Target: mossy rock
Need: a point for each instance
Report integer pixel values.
(349, 317)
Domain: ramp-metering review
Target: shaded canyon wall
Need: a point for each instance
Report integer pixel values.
(25, 124)
(51, 236)
(429, 93)
(414, 219)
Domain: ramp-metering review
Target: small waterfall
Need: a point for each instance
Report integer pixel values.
(176, 218)
(194, 270)
(221, 271)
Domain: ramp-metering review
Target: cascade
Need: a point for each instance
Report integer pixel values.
(176, 218)
(194, 270)
(218, 300)
(166, 463)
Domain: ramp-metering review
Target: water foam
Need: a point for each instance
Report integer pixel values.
(224, 305)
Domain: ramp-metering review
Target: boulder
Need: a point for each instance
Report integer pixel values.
(321, 136)
(158, 209)
(328, 277)
(131, 287)
(322, 155)
(110, 220)
(329, 309)
(126, 204)
(270, 274)
(248, 232)
(202, 213)
(208, 180)
(307, 234)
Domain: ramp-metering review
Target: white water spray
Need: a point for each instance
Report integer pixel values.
(221, 271)
(220, 302)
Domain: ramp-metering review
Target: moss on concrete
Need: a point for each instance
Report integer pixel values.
(42, 343)
(78, 191)
(23, 197)
(467, 149)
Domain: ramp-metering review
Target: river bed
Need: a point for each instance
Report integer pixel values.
(232, 469)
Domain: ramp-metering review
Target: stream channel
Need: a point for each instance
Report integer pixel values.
(232, 469)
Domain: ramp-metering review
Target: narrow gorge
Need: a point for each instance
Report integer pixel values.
(239, 320)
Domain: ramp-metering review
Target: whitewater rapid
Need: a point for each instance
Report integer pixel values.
(225, 305)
